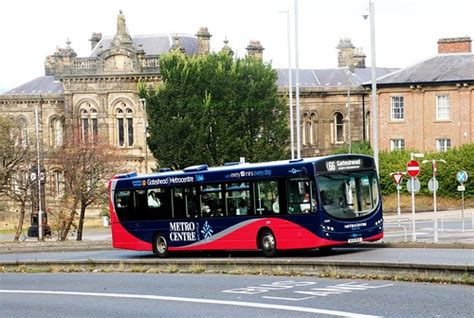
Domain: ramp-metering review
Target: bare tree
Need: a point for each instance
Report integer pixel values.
(87, 167)
(16, 156)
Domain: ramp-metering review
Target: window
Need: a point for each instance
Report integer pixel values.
(300, 196)
(89, 128)
(56, 133)
(238, 198)
(367, 127)
(349, 196)
(212, 203)
(125, 131)
(23, 136)
(338, 128)
(158, 203)
(306, 129)
(442, 107)
(312, 131)
(58, 183)
(397, 144)
(443, 144)
(266, 197)
(397, 108)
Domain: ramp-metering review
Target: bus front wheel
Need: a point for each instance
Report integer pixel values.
(267, 243)
(160, 246)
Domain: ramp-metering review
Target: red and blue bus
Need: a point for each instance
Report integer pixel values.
(282, 205)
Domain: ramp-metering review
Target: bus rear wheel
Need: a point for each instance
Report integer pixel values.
(267, 243)
(160, 246)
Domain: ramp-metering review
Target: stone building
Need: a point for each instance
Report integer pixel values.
(429, 106)
(97, 96)
(334, 106)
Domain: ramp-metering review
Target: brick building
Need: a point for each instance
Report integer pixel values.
(429, 106)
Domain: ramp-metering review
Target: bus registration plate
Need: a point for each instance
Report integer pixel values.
(354, 240)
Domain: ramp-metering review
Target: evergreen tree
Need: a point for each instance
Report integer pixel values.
(214, 109)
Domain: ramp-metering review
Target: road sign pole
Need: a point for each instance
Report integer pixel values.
(462, 177)
(462, 210)
(435, 212)
(399, 212)
(413, 208)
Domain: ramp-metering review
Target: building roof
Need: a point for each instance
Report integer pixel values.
(333, 77)
(152, 44)
(40, 85)
(443, 68)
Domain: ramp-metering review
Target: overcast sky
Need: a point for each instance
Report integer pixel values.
(406, 30)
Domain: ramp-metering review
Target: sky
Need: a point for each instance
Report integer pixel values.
(406, 31)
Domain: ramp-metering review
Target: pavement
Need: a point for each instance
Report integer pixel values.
(450, 227)
(398, 233)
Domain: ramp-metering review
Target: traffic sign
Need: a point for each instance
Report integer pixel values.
(416, 187)
(433, 184)
(461, 176)
(413, 168)
(461, 188)
(397, 177)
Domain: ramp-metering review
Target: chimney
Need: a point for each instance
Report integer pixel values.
(95, 38)
(203, 39)
(255, 49)
(454, 45)
(359, 58)
(345, 54)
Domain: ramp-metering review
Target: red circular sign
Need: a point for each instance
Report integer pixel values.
(413, 168)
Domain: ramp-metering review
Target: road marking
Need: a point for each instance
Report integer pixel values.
(194, 300)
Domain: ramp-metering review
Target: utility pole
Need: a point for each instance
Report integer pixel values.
(297, 86)
(145, 131)
(38, 175)
(348, 105)
(290, 85)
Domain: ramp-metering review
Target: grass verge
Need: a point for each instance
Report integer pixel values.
(440, 277)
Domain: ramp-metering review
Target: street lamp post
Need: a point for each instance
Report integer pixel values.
(38, 179)
(297, 86)
(348, 105)
(145, 131)
(375, 121)
(290, 85)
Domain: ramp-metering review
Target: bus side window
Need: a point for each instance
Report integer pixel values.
(212, 203)
(122, 205)
(141, 208)
(300, 196)
(238, 198)
(191, 202)
(266, 194)
(159, 203)
(178, 203)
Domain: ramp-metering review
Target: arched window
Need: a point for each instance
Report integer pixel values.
(338, 128)
(313, 131)
(89, 127)
(367, 127)
(56, 132)
(306, 133)
(124, 120)
(57, 186)
(22, 131)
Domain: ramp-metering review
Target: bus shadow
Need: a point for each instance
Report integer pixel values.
(314, 253)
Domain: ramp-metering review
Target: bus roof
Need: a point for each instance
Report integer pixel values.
(238, 172)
